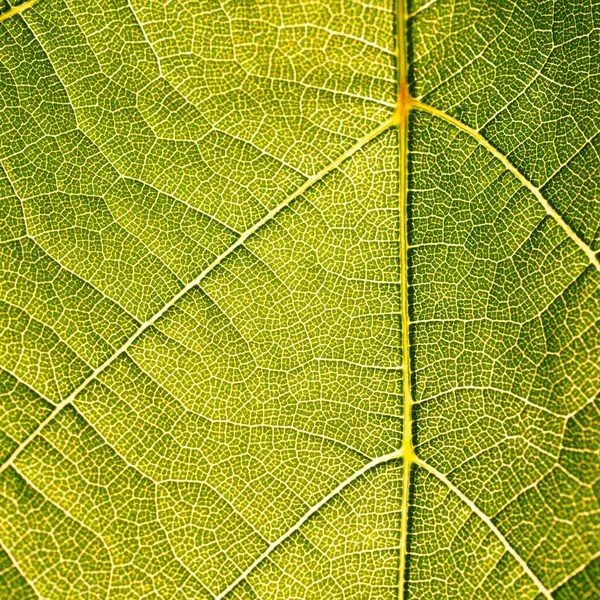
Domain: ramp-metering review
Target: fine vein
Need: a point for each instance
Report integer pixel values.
(582, 567)
(18, 568)
(541, 587)
(217, 261)
(509, 166)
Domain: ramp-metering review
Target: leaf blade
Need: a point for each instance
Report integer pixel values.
(246, 388)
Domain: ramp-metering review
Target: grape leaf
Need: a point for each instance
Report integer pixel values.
(300, 299)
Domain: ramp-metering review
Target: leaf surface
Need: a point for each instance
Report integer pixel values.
(299, 300)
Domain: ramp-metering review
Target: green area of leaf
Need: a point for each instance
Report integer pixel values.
(300, 299)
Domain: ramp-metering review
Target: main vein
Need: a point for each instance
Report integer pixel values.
(401, 120)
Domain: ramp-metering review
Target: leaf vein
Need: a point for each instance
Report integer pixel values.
(510, 167)
(183, 291)
(541, 587)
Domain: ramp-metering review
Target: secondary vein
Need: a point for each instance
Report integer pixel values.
(510, 167)
(184, 290)
(507, 546)
(308, 514)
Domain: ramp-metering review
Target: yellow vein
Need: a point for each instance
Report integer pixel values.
(579, 569)
(17, 10)
(524, 181)
(541, 587)
(217, 261)
(18, 569)
(308, 514)
(401, 121)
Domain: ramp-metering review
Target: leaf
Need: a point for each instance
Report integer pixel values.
(300, 299)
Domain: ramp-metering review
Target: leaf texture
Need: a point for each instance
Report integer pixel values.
(300, 299)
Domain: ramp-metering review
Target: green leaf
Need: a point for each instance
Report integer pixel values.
(300, 299)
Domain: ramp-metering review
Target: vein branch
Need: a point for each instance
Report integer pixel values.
(17, 10)
(507, 546)
(184, 290)
(510, 167)
(308, 514)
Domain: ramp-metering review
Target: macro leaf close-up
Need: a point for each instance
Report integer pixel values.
(300, 299)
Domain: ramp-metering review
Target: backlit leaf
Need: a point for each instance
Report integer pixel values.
(300, 299)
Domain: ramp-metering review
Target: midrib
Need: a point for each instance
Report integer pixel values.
(400, 119)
